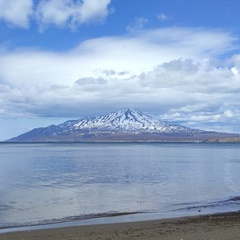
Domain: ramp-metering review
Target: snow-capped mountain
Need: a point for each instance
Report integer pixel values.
(129, 120)
(123, 125)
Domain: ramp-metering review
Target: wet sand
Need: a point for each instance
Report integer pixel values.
(211, 227)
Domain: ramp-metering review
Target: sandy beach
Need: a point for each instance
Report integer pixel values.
(210, 227)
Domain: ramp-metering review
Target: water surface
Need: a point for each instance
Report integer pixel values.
(50, 183)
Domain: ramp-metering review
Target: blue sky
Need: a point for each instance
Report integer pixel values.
(67, 59)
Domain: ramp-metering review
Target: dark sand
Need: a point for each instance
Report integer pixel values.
(211, 227)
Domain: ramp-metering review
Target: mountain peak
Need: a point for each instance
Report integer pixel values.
(128, 111)
(128, 120)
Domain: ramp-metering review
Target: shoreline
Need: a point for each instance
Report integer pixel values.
(224, 226)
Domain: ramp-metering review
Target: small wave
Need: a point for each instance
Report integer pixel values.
(4, 207)
(234, 199)
(223, 203)
(72, 219)
(87, 216)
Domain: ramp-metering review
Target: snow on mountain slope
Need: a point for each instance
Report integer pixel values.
(130, 120)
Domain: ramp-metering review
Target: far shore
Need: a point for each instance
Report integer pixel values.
(224, 226)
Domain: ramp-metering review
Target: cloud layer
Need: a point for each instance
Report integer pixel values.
(61, 13)
(171, 71)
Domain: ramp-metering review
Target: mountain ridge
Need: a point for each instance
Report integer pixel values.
(124, 125)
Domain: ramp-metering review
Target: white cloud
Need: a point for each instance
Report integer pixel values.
(71, 13)
(228, 113)
(164, 17)
(130, 53)
(16, 12)
(94, 10)
(235, 70)
(60, 13)
(138, 24)
(157, 70)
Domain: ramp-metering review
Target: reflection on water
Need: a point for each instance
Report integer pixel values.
(43, 182)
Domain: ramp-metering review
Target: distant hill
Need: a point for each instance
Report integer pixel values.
(123, 126)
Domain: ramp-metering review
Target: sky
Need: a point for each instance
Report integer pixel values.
(178, 60)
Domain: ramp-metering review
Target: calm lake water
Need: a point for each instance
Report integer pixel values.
(51, 183)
